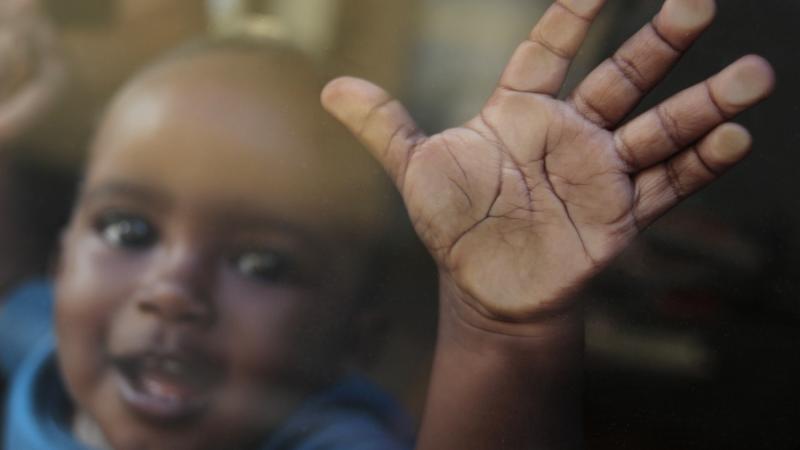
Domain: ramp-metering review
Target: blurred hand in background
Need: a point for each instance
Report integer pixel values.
(32, 67)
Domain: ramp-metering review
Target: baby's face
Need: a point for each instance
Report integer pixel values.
(205, 286)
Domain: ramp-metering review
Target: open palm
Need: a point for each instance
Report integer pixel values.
(525, 201)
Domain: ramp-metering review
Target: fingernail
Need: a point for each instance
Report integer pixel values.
(689, 14)
(746, 81)
(731, 141)
(734, 136)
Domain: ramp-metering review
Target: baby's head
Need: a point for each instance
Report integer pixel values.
(212, 268)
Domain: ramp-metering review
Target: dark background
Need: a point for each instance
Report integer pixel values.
(693, 336)
(740, 300)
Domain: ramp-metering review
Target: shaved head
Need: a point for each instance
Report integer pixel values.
(269, 94)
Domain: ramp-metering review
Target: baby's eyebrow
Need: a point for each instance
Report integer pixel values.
(125, 189)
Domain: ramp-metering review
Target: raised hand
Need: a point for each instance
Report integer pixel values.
(32, 67)
(525, 201)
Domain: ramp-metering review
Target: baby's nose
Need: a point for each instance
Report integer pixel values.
(174, 303)
(179, 289)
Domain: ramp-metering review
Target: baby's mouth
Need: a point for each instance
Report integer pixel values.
(166, 387)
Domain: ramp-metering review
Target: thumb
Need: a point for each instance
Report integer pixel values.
(377, 119)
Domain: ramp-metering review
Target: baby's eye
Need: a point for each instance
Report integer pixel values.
(126, 230)
(268, 266)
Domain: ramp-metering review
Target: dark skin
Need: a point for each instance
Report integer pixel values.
(197, 237)
(518, 207)
(522, 204)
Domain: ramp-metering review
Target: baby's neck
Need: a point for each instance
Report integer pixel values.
(86, 431)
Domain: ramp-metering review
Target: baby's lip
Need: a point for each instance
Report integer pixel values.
(166, 386)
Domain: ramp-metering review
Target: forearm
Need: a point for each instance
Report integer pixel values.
(499, 385)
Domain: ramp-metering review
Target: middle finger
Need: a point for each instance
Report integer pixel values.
(615, 87)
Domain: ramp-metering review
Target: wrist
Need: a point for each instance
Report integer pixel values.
(460, 308)
(518, 381)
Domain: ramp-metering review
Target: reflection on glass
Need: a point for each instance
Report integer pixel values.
(231, 269)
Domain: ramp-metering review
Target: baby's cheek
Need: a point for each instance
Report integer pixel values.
(79, 314)
(85, 300)
(281, 336)
(94, 278)
(261, 340)
(80, 334)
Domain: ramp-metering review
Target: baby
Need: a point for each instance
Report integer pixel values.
(213, 270)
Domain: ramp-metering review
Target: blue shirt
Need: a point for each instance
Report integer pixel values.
(352, 415)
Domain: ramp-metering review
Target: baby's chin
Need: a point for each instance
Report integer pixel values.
(113, 422)
(235, 417)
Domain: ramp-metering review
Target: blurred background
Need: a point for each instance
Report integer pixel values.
(693, 335)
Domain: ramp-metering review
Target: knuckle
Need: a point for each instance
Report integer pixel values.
(670, 126)
(629, 71)
(626, 153)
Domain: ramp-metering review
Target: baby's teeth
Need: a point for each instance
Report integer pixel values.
(161, 390)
